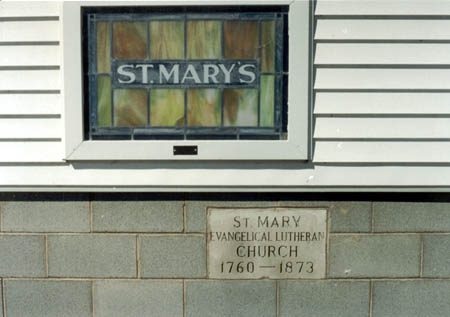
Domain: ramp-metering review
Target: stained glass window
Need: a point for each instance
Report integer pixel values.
(186, 73)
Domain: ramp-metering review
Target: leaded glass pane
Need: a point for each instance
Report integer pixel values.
(104, 101)
(204, 107)
(204, 39)
(130, 40)
(130, 107)
(103, 48)
(268, 46)
(241, 39)
(240, 107)
(166, 107)
(166, 39)
(267, 101)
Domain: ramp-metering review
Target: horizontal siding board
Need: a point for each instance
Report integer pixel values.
(30, 128)
(29, 152)
(381, 152)
(363, 78)
(29, 31)
(383, 7)
(382, 54)
(28, 9)
(382, 103)
(382, 29)
(153, 177)
(47, 55)
(382, 128)
(30, 104)
(29, 79)
(375, 129)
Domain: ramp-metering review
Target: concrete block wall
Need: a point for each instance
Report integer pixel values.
(145, 255)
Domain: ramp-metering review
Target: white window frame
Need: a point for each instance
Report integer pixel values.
(294, 148)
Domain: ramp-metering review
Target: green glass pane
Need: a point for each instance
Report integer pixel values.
(241, 39)
(130, 40)
(130, 107)
(268, 46)
(204, 107)
(103, 48)
(104, 101)
(240, 107)
(204, 39)
(267, 101)
(166, 107)
(166, 39)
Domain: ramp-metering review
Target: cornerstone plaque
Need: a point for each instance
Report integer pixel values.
(274, 243)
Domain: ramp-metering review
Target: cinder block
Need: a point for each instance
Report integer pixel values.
(411, 217)
(138, 216)
(436, 256)
(230, 298)
(138, 298)
(46, 216)
(374, 256)
(48, 298)
(345, 216)
(196, 208)
(92, 256)
(173, 256)
(324, 298)
(411, 298)
(22, 256)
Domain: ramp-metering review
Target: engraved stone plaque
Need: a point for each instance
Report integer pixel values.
(273, 243)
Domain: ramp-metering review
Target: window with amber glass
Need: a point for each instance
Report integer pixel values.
(186, 73)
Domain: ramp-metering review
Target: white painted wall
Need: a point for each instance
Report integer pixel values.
(381, 108)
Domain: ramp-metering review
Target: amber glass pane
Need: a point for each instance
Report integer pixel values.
(166, 39)
(130, 107)
(268, 46)
(240, 107)
(166, 107)
(267, 101)
(130, 40)
(241, 39)
(104, 101)
(204, 39)
(204, 107)
(103, 48)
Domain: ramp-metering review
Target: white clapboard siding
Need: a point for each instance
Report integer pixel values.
(361, 78)
(383, 7)
(26, 55)
(151, 177)
(30, 104)
(29, 9)
(29, 79)
(24, 136)
(382, 103)
(382, 29)
(25, 152)
(380, 125)
(29, 31)
(30, 128)
(382, 54)
(381, 152)
(382, 128)
(385, 141)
